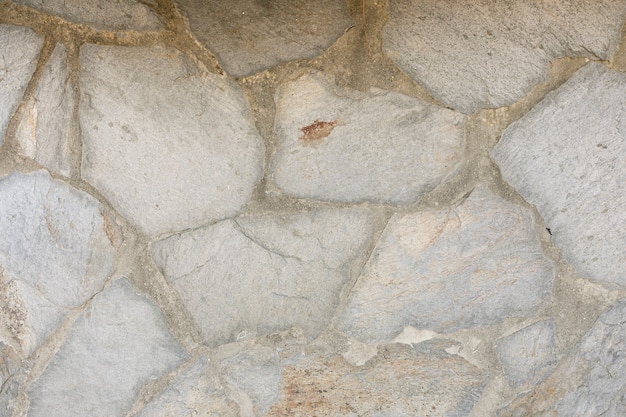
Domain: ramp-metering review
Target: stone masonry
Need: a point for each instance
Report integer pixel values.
(312, 208)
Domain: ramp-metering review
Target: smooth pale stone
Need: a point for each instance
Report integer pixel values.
(248, 36)
(19, 49)
(170, 148)
(57, 248)
(349, 146)
(528, 354)
(100, 14)
(118, 344)
(445, 270)
(257, 275)
(470, 54)
(566, 156)
(45, 127)
(591, 381)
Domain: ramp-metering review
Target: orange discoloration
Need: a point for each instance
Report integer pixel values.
(316, 131)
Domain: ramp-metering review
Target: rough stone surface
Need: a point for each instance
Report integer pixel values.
(485, 54)
(19, 49)
(348, 146)
(444, 270)
(566, 157)
(44, 130)
(190, 157)
(100, 14)
(256, 275)
(119, 343)
(249, 36)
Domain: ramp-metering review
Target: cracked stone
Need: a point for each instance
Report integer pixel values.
(471, 54)
(445, 270)
(193, 156)
(566, 156)
(348, 146)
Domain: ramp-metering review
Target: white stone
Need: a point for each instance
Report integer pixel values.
(348, 146)
(169, 147)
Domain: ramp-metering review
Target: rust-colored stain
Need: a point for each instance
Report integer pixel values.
(316, 131)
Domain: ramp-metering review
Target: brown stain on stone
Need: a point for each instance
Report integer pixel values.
(316, 131)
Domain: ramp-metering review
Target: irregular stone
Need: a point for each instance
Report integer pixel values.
(170, 148)
(57, 248)
(100, 14)
(349, 146)
(257, 275)
(249, 36)
(566, 156)
(19, 49)
(118, 344)
(471, 54)
(528, 354)
(44, 129)
(444, 270)
(591, 381)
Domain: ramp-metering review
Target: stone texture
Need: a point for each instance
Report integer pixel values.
(19, 49)
(450, 269)
(528, 354)
(100, 14)
(119, 343)
(566, 156)
(248, 36)
(170, 148)
(349, 146)
(43, 132)
(471, 54)
(57, 248)
(591, 381)
(256, 275)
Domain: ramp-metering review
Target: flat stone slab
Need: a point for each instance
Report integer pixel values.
(445, 270)
(472, 55)
(566, 156)
(248, 36)
(348, 146)
(170, 148)
(256, 275)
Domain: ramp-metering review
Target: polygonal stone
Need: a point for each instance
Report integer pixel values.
(44, 130)
(249, 36)
(256, 275)
(118, 344)
(451, 269)
(350, 146)
(19, 49)
(170, 148)
(470, 54)
(566, 156)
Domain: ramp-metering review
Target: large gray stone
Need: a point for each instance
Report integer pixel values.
(451, 269)
(256, 275)
(472, 54)
(118, 344)
(170, 148)
(248, 36)
(566, 157)
(349, 146)
(19, 49)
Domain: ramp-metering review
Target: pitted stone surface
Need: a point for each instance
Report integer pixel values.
(248, 36)
(488, 54)
(56, 250)
(44, 130)
(349, 146)
(170, 148)
(119, 343)
(100, 14)
(450, 269)
(566, 157)
(19, 49)
(256, 275)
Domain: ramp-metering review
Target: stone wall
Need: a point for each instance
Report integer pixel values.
(371, 208)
